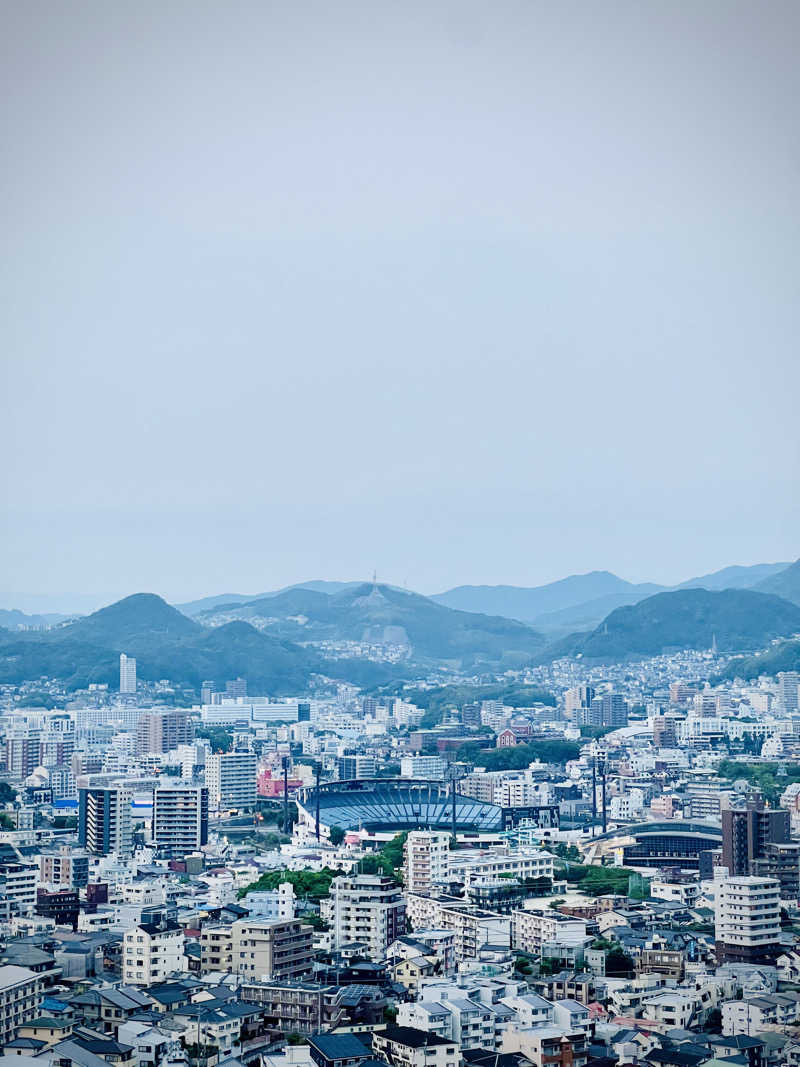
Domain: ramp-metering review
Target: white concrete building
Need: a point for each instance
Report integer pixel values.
(427, 860)
(472, 927)
(272, 903)
(471, 865)
(368, 909)
(127, 674)
(747, 919)
(231, 781)
(21, 992)
(151, 953)
(423, 767)
(531, 930)
(180, 818)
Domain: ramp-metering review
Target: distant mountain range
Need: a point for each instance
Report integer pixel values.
(785, 583)
(582, 601)
(168, 644)
(733, 619)
(195, 607)
(17, 620)
(383, 615)
(280, 639)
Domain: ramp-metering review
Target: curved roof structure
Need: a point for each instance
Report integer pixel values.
(658, 844)
(682, 827)
(397, 804)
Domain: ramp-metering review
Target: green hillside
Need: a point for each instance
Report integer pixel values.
(737, 619)
(785, 583)
(136, 624)
(383, 615)
(782, 657)
(168, 645)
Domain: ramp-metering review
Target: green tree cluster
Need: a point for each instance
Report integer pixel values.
(308, 885)
(388, 861)
(517, 757)
(762, 776)
(220, 738)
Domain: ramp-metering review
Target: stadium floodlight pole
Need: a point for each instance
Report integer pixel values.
(594, 790)
(317, 769)
(285, 762)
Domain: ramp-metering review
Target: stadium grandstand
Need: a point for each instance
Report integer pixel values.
(380, 805)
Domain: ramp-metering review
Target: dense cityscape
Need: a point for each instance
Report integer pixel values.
(399, 577)
(571, 862)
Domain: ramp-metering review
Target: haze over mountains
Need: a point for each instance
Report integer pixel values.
(583, 600)
(730, 619)
(371, 633)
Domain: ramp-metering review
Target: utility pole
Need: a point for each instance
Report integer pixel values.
(594, 791)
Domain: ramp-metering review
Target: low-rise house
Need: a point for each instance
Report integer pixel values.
(407, 1046)
(46, 1030)
(549, 1046)
(754, 1014)
(574, 985)
(338, 1050)
(109, 1007)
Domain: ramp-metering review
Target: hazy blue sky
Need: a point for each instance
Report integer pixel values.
(462, 292)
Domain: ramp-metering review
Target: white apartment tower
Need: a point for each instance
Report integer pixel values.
(427, 860)
(369, 909)
(231, 780)
(127, 674)
(180, 818)
(789, 690)
(747, 920)
(104, 820)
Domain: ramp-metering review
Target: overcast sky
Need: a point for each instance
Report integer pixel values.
(481, 293)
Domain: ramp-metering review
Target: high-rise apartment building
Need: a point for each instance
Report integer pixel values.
(271, 948)
(789, 690)
(231, 780)
(746, 833)
(369, 909)
(471, 715)
(357, 767)
(180, 818)
(423, 767)
(104, 820)
(577, 700)
(664, 735)
(127, 674)
(236, 688)
(162, 731)
(427, 860)
(608, 709)
(64, 867)
(747, 920)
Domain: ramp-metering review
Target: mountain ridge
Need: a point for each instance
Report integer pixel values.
(737, 620)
